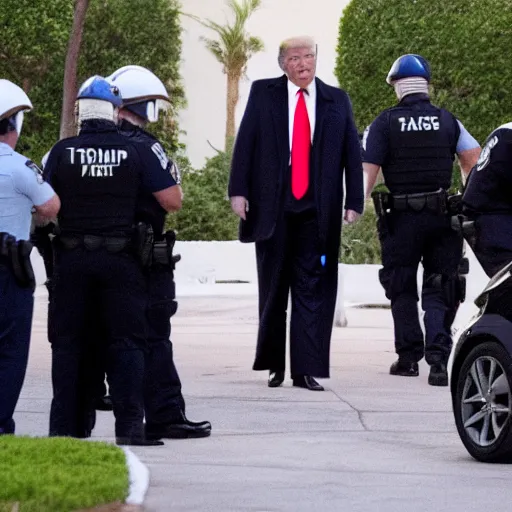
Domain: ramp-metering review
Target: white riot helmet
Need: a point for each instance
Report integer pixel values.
(13, 103)
(143, 93)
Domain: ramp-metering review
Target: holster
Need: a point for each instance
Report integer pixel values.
(163, 251)
(466, 227)
(41, 239)
(143, 239)
(16, 254)
(382, 203)
(455, 204)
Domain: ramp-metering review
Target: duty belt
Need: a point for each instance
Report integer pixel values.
(15, 254)
(112, 244)
(436, 202)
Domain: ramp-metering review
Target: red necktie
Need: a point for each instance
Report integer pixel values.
(301, 144)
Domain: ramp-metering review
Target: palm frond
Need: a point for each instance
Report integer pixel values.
(234, 46)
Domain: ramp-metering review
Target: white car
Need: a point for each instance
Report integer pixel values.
(480, 372)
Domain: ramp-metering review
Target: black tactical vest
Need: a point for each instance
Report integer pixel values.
(148, 208)
(422, 145)
(98, 179)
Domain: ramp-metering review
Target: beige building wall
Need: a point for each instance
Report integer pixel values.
(204, 118)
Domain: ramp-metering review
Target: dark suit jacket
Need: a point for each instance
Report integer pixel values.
(261, 157)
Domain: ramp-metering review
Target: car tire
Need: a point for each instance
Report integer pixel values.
(483, 413)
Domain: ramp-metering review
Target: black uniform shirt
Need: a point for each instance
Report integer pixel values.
(489, 186)
(149, 210)
(99, 176)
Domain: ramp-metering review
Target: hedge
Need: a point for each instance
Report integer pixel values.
(117, 32)
(467, 44)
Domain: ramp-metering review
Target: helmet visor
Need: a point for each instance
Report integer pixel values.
(154, 108)
(16, 121)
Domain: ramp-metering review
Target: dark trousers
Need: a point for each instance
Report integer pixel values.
(91, 380)
(291, 261)
(411, 237)
(163, 398)
(16, 308)
(117, 283)
(493, 250)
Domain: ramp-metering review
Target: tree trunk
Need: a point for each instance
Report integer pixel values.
(231, 103)
(26, 85)
(67, 122)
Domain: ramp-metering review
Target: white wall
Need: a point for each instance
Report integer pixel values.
(205, 85)
(204, 263)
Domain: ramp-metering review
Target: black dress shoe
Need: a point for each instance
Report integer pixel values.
(182, 428)
(404, 369)
(305, 381)
(104, 404)
(438, 375)
(137, 441)
(275, 379)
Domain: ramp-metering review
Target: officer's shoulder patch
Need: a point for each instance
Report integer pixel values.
(37, 171)
(485, 155)
(175, 173)
(160, 153)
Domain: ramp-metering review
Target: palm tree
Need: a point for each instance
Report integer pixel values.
(233, 49)
(67, 123)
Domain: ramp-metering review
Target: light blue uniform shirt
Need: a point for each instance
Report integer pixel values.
(21, 187)
(466, 140)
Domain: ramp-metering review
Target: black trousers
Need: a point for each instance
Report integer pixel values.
(92, 367)
(493, 250)
(117, 283)
(290, 261)
(16, 307)
(408, 238)
(163, 398)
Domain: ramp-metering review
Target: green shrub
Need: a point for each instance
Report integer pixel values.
(33, 48)
(206, 213)
(467, 43)
(359, 241)
(142, 32)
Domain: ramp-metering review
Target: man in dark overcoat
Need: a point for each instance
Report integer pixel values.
(296, 166)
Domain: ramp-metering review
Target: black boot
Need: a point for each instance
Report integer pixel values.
(181, 428)
(138, 441)
(438, 375)
(404, 369)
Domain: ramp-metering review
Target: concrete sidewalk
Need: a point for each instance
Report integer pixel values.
(369, 443)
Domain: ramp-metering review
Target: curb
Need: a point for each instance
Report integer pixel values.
(138, 475)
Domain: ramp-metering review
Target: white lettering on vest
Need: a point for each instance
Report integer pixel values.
(97, 162)
(419, 124)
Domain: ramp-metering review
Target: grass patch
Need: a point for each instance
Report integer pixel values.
(59, 474)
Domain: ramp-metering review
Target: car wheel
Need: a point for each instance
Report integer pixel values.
(483, 403)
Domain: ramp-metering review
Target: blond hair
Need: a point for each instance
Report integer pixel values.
(292, 43)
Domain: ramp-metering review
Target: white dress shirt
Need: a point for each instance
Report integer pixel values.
(310, 99)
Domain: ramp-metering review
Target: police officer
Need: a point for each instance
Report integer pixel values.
(92, 393)
(99, 176)
(21, 189)
(487, 200)
(414, 143)
(144, 95)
